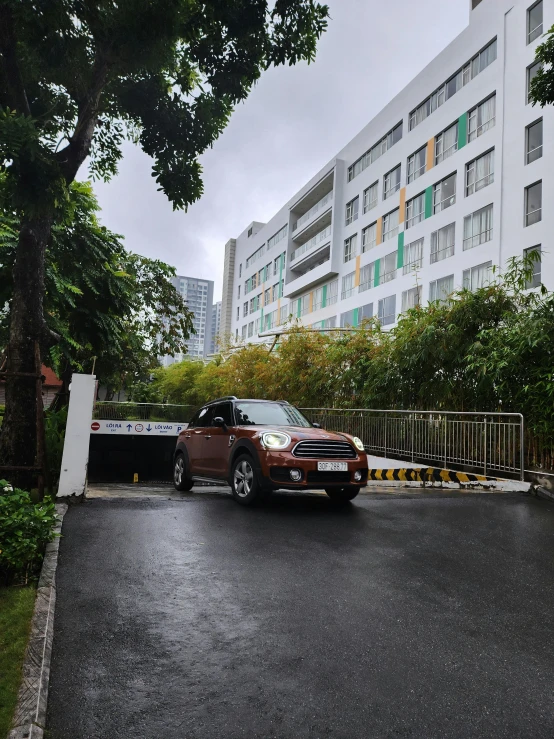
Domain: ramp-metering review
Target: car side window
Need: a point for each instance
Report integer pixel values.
(205, 417)
(224, 410)
(194, 421)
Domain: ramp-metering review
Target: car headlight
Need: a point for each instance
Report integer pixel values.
(275, 440)
(358, 443)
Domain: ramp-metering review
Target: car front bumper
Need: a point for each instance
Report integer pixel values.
(276, 466)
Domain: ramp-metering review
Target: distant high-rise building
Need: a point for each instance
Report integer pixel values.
(216, 326)
(198, 296)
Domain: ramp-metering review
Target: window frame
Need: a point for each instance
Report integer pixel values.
(439, 141)
(474, 112)
(411, 221)
(350, 247)
(444, 299)
(530, 285)
(352, 210)
(367, 204)
(349, 291)
(386, 235)
(467, 274)
(381, 314)
(488, 232)
(404, 298)
(408, 267)
(489, 175)
(529, 79)
(387, 193)
(419, 172)
(366, 246)
(527, 131)
(526, 222)
(530, 31)
(438, 206)
(450, 247)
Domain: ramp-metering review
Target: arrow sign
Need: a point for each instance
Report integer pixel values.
(129, 427)
(149, 428)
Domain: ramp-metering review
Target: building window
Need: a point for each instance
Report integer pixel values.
(352, 210)
(478, 227)
(238, 296)
(367, 277)
(240, 270)
(284, 314)
(533, 204)
(481, 118)
(413, 257)
(244, 331)
(250, 232)
(257, 326)
(276, 291)
(444, 193)
(350, 248)
(370, 197)
(416, 164)
(332, 292)
(347, 285)
(267, 296)
(371, 155)
(390, 224)
(477, 277)
(238, 313)
(470, 70)
(480, 173)
(250, 329)
(442, 243)
(387, 267)
(415, 210)
(386, 310)
(534, 255)
(533, 142)
(534, 22)
(531, 74)
(391, 182)
(411, 298)
(245, 309)
(305, 304)
(369, 237)
(440, 290)
(365, 312)
(446, 143)
(347, 319)
(281, 233)
(318, 298)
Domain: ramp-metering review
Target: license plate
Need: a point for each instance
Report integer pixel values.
(332, 466)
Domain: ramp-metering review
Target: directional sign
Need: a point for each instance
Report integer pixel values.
(134, 429)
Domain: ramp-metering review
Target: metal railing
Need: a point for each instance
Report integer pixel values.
(488, 443)
(111, 410)
(312, 211)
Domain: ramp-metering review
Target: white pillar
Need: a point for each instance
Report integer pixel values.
(73, 476)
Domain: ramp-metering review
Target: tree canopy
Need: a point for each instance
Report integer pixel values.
(110, 307)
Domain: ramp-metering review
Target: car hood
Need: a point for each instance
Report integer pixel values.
(298, 433)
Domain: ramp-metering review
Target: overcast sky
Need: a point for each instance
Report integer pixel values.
(295, 120)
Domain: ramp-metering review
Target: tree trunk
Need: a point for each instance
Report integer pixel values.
(18, 438)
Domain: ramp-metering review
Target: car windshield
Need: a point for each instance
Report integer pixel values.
(269, 414)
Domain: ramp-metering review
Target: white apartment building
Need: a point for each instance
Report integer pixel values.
(198, 296)
(445, 182)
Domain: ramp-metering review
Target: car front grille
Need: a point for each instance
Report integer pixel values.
(324, 450)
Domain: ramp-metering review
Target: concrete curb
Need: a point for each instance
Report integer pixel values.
(30, 713)
(541, 492)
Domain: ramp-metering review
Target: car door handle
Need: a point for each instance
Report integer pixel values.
(207, 437)
(187, 436)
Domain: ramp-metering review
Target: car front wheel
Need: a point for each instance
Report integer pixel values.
(180, 479)
(342, 495)
(244, 482)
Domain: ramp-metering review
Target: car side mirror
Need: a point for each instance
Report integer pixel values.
(316, 425)
(218, 421)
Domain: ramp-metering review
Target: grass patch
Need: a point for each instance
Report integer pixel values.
(16, 609)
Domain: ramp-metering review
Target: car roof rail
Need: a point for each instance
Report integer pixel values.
(225, 397)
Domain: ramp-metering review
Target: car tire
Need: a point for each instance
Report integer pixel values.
(245, 486)
(342, 495)
(180, 479)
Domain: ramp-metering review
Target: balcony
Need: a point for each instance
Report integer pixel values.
(320, 207)
(315, 273)
(314, 244)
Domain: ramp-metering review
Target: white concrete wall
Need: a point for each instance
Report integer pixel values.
(73, 475)
(505, 20)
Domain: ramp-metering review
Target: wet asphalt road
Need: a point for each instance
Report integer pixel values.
(394, 617)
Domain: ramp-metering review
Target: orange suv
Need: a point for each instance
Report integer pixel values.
(261, 445)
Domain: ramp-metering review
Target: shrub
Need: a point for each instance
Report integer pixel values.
(25, 529)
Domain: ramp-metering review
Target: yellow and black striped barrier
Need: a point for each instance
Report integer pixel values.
(426, 474)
